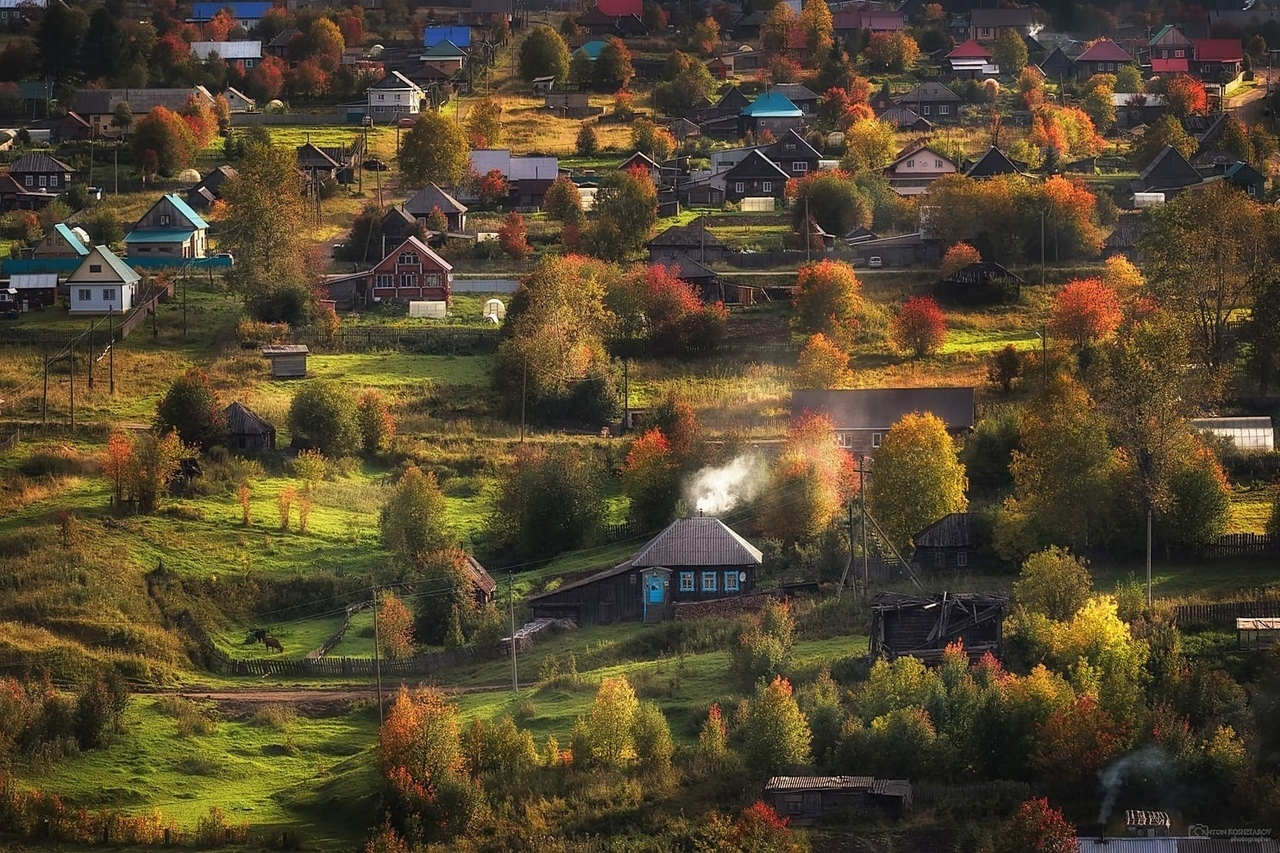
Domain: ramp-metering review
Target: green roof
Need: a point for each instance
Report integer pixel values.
(443, 49)
(772, 105)
(160, 235)
(122, 270)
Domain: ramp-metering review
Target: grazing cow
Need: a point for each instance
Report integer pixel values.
(258, 635)
(272, 643)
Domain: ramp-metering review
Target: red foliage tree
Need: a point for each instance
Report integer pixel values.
(1076, 741)
(307, 80)
(1036, 827)
(164, 142)
(920, 326)
(1086, 310)
(651, 480)
(959, 256)
(828, 299)
(1185, 96)
(759, 827)
(513, 238)
(492, 187)
(266, 80)
(352, 28)
(169, 51)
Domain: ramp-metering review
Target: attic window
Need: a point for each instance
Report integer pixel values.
(911, 164)
(408, 258)
(95, 267)
(164, 219)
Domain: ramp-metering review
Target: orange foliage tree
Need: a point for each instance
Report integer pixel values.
(117, 461)
(512, 237)
(650, 479)
(395, 627)
(1077, 741)
(1036, 826)
(1065, 130)
(824, 364)
(1086, 310)
(809, 483)
(1185, 96)
(828, 300)
(959, 256)
(920, 326)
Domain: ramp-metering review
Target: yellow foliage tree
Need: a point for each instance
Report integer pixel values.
(824, 364)
(917, 478)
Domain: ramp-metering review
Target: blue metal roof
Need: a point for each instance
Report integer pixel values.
(592, 49)
(72, 240)
(160, 235)
(245, 11)
(185, 209)
(461, 36)
(772, 105)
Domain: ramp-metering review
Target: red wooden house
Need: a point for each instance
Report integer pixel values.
(409, 273)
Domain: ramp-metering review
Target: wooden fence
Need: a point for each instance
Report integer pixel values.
(1241, 545)
(1225, 613)
(139, 314)
(438, 341)
(327, 645)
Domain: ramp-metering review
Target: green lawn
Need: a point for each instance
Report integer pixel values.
(987, 340)
(398, 369)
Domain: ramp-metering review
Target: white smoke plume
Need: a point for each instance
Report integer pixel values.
(715, 491)
(1150, 761)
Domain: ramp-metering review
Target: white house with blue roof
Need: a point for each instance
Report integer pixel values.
(170, 229)
(102, 284)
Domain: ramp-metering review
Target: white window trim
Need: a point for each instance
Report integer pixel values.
(875, 439)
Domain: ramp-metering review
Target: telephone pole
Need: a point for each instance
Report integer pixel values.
(377, 653)
(511, 601)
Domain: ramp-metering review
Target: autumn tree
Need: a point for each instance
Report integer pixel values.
(823, 364)
(1184, 95)
(563, 202)
(920, 327)
(322, 415)
(1165, 130)
(1030, 88)
(624, 214)
(1085, 310)
(816, 24)
(163, 143)
(1052, 583)
(117, 462)
(776, 29)
(551, 500)
(1005, 367)
(831, 199)
(587, 142)
(892, 51)
(1123, 277)
(650, 480)
(433, 151)
(377, 424)
(420, 756)
(869, 146)
(449, 613)
(809, 483)
(1038, 827)
(612, 69)
(1010, 52)
(1199, 505)
(777, 736)
(395, 626)
(704, 37)
(956, 258)
(484, 124)
(917, 478)
(1098, 102)
(413, 519)
(191, 408)
(544, 54)
(686, 85)
(828, 299)
(155, 461)
(512, 237)
(605, 737)
(651, 140)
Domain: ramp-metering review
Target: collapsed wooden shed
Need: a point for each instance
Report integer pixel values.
(923, 626)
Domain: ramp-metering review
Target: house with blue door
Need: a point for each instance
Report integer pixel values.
(693, 559)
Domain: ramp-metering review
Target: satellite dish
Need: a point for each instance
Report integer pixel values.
(742, 576)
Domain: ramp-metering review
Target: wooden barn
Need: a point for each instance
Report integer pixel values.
(694, 559)
(980, 283)
(247, 432)
(483, 584)
(863, 416)
(923, 626)
(806, 799)
(949, 544)
(288, 361)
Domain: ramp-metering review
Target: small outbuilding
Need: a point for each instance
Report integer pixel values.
(949, 544)
(1246, 434)
(980, 283)
(807, 799)
(483, 586)
(247, 432)
(1257, 633)
(922, 626)
(288, 361)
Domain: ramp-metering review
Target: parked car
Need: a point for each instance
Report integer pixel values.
(875, 262)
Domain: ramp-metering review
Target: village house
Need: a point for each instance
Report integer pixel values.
(804, 800)
(1102, 57)
(992, 164)
(933, 101)
(446, 56)
(1168, 173)
(483, 586)
(211, 187)
(862, 416)
(34, 290)
(430, 198)
(398, 225)
(1218, 61)
(905, 119)
(793, 154)
(63, 242)
(772, 112)
(848, 22)
(528, 176)
(394, 96)
(692, 241)
(969, 61)
(979, 283)
(102, 283)
(459, 35)
(98, 106)
(240, 54)
(283, 43)
(1057, 66)
(410, 272)
(755, 176)
(987, 25)
(704, 281)
(693, 559)
(645, 163)
(949, 544)
(1170, 51)
(802, 96)
(239, 101)
(247, 14)
(248, 432)
(42, 173)
(915, 169)
(170, 229)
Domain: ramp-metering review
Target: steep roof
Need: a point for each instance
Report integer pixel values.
(285, 36)
(913, 150)
(953, 530)
(795, 92)
(431, 196)
(38, 163)
(1218, 50)
(900, 116)
(969, 50)
(397, 213)
(1168, 36)
(1169, 169)
(1104, 50)
(931, 92)
(241, 420)
(480, 577)
(994, 162)
(755, 164)
(732, 99)
(772, 104)
(694, 235)
(417, 245)
(313, 153)
(881, 408)
(444, 49)
(123, 271)
(185, 211)
(791, 145)
(72, 239)
(701, 541)
(395, 80)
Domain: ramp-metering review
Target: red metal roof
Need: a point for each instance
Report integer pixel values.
(619, 8)
(1169, 66)
(1218, 50)
(969, 50)
(1104, 50)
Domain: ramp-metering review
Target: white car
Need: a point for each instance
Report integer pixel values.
(875, 262)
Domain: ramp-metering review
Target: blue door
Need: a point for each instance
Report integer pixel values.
(655, 589)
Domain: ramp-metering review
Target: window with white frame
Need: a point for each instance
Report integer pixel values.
(408, 259)
(911, 164)
(384, 280)
(85, 295)
(875, 439)
(800, 166)
(433, 280)
(944, 109)
(164, 219)
(766, 186)
(44, 181)
(844, 439)
(937, 163)
(925, 109)
(28, 180)
(709, 581)
(408, 280)
(686, 581)
(108, 294)
(731, 581)
(739, 187)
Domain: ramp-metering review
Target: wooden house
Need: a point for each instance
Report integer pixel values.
(398, 225)
(1218, 61)
(912, 172)
(247, 432)
(169, 229)
(755, 176)
(1170, 51)
(923, 626)
(693, 559)
(802, 96)
(102, 284)
(979, 283)
(210, 188)
(933, 101)
(804, 800)
(288, 361)
(771, 111)
(987, 25)
(1246, 178)
(645, 163)
(410, 272)
(483, 586)
(430, 197)
(905, 119)
(949, 544)
(691, 241)
(445, 55)
(34, 289)
(42, 173)
(862, 416)
(1169, 173)
(1102, 57)
(704, 281)
(969, 61)
(1057, 66)
(794, 154)
(63, 242)
(994, 162)
(318, 165)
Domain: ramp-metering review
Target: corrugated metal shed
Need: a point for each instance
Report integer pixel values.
(825, 783)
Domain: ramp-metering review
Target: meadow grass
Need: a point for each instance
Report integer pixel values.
(399, 369)
(1250, 510)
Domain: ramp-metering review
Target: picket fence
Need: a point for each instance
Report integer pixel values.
(1241, 545)
(1225, 613)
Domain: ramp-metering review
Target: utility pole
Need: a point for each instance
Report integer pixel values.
(1044, 354)
(184, 298)
(1148, 556)
(1042, 248)
(111, 350)
(91, 325)
(511, 601)
(377, 653)
(524, 395)
(71, 375)
(862, 500)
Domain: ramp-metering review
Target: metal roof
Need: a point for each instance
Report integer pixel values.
(73, 239)
(772, 104)
(460, 36)
(227, 49)
(285, 349)
(431, 196)
(819, 783)
(1104, 50)
(250, 11)
(159, 235)
(33, 281)
(1231, 423)
(881, 408)
(701, 541)
(38, 163)
(443, 49)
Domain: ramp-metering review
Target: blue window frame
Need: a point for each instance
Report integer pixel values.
(730, 581)
(686, 581)
(709, 581)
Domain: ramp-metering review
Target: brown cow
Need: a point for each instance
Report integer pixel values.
(272, 643)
